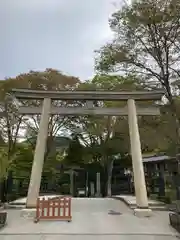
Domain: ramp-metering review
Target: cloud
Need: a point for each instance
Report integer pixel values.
(61, 34)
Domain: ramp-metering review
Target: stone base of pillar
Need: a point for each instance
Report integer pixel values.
(30, 206)
(28, 213)
(142, 212)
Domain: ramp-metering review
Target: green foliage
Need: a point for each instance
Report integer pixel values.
(146, 42)
(74, 153)
(12, 124)
(22, 163)
(4, 164)
(102, 130)
(116, 82)
(52, 164)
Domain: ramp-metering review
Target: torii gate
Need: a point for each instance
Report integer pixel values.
(131, 110)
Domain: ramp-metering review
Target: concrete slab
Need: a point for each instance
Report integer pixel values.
(90, 217)
(131, 202)
(88, 237)
(28, 213)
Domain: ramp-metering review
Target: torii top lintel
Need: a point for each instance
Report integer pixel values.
(87, 95)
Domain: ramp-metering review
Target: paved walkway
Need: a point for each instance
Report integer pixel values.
(92, 221)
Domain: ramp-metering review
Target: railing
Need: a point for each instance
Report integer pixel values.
(54, 209)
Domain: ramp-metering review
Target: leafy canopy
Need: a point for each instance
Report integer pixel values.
(146, 42)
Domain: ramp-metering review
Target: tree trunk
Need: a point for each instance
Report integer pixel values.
(109, 177)
(3, 190)
(174, 111)
(9, 184)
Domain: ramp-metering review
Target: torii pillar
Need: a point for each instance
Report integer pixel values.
(142, 209)
(38, 162)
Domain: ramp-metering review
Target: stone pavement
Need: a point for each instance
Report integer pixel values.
(92, 221)
(88, 237)
(131, 202)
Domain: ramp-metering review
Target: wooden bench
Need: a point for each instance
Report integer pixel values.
(53, 209)
(174, 215)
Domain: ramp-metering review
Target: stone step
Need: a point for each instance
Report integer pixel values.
(153, 204)
(157, 208)
(14, 206)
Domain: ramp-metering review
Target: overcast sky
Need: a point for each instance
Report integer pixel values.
(60, 34)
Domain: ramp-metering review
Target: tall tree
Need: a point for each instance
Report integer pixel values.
(146, 43)
(105, 137)
(12, 122)
(13, 125)
(74, 154)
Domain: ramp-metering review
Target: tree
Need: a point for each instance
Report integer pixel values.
(102, 136)
(12, 122)
(13, 125)
(6, 165)
(105, 137)
(22, 163)
(3, 173)
(3, 163)
(74, 154)
(146, 43)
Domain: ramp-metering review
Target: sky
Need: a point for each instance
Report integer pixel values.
(59, 34)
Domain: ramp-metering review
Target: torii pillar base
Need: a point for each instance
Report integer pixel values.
(143, 212)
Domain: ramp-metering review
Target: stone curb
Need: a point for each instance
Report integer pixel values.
(14, 207)
(133, 206)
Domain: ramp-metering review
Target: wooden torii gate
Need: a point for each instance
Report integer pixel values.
(131, 110)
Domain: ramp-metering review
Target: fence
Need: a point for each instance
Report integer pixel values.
(53, 209)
